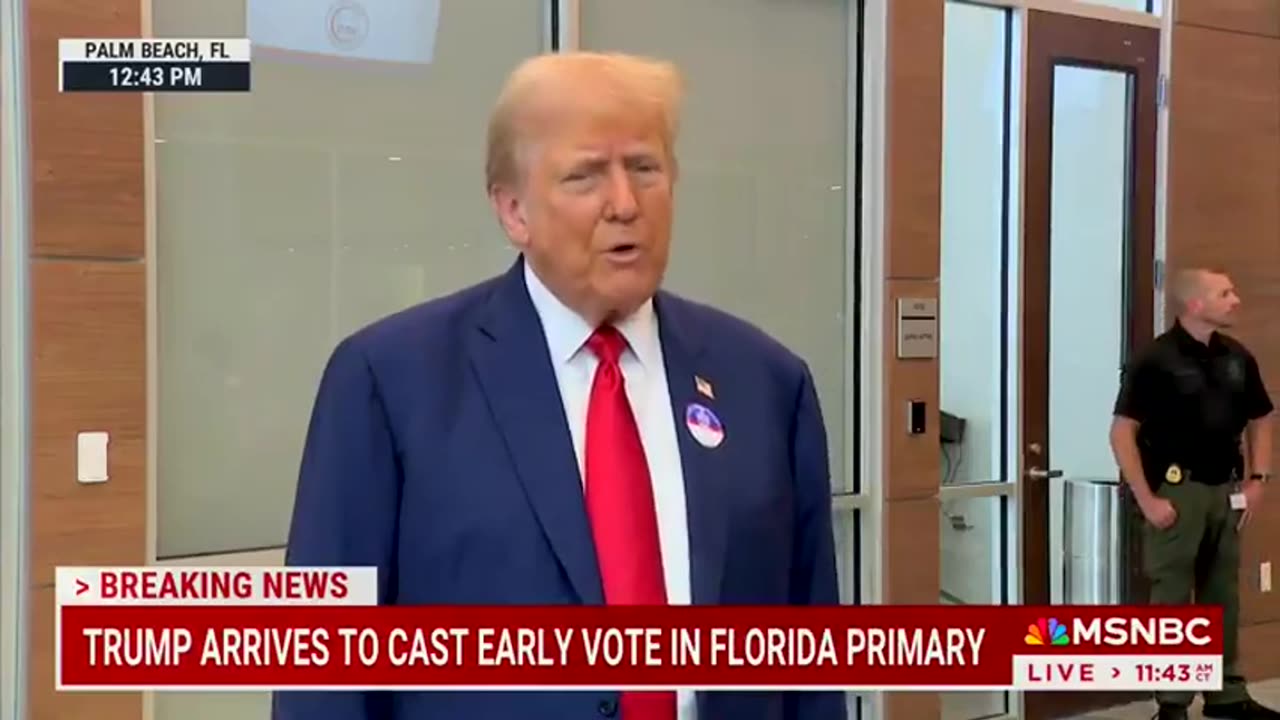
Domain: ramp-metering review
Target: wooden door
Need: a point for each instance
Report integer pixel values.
(1087, 266)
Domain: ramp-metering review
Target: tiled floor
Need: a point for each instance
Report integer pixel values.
(1267, 692)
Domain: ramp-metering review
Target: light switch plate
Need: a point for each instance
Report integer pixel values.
(91, 457)
(1264, 577)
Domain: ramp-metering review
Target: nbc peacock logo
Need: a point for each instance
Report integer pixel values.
(1047, 632)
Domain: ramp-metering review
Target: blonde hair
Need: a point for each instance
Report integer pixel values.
(1189, 284)
(546, 88)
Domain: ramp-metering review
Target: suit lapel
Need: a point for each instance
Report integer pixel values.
(514, 366)
(705, 483)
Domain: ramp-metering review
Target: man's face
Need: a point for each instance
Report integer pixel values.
(593, 212)
(1218, 301)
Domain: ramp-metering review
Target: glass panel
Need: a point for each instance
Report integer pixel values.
(1142, 6)
(1092, 117)
(213, 706)
(973, 571)
(760, 223)
(846, 526)
(974, 206)
(974, 282)
(347, 185)
(973, 558)
(973, 705)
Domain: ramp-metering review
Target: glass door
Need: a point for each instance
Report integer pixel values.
(1087, 299)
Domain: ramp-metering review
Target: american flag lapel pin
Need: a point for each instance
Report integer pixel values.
(703, 387)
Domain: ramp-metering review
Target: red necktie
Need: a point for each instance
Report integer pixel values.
(620, 505)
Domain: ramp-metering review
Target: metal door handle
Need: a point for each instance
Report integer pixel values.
(1036, 473)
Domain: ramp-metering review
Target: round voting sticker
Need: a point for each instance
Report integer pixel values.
(703, 425)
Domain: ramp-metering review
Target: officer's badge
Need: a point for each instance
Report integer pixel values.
(1173, 475)
(1235, 372)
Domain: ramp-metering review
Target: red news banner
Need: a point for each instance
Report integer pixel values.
(320, 628)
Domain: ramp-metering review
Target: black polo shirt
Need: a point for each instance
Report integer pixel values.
(1192, 401)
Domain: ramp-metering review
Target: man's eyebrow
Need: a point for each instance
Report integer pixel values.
(588, 162)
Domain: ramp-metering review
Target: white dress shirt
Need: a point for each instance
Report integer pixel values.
(646, 383)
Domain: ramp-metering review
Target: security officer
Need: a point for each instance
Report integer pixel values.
(1184, 406)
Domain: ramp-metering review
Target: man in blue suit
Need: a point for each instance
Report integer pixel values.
(566, 433)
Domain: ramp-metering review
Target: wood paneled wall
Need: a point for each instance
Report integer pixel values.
(1224, 210)
(913, 226)
(89, 330)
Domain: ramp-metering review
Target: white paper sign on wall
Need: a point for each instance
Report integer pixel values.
(393, 31)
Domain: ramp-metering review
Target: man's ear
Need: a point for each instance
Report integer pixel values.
(510, 209)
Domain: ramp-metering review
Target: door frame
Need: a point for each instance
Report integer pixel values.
(16, 363)
(1011, 491)
(1054, 40)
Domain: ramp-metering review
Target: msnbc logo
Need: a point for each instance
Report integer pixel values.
(1047, 632)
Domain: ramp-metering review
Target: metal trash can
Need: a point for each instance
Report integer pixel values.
(1094, 545)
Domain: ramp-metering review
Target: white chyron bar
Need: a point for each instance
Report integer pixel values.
(153, 65)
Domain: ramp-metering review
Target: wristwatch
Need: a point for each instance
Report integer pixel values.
(1261, 477)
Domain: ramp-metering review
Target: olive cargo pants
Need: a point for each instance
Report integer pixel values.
(1197, 559)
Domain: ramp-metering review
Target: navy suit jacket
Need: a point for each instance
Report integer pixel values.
(438, 451)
